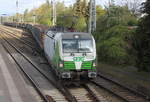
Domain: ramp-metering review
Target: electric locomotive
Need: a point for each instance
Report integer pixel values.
(71, 54)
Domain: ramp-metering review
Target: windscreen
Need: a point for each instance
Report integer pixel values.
(77, 46)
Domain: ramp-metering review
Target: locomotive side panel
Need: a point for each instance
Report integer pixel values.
(49, 48)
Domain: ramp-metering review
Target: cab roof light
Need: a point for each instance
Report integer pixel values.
(76, 36)
(94, 64)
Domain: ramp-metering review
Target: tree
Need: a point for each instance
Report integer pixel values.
(113, 36)
(116, 15)
(78, 8)
(81, 24)
(99, 11)
(81, 12)
(43, 14)
(25, 15)
(142, 40)
(66, 18)
(133, 5)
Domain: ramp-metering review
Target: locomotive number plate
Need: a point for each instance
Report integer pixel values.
(78, 59)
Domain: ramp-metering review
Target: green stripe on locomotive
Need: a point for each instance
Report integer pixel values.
(70, 65)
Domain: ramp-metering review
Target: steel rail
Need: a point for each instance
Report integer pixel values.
(124, 90)
(36, 87)
(58, 85)
(14, 34)
(33, 48)
(123, 86)
(91, 93)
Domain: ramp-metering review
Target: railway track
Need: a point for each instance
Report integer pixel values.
(67, 92)
(19, 32)
(18, 36)
(45, 98)
(84, 94)
(124, 93)
(50, 95)
(22, 41)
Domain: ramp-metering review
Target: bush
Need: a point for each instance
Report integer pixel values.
(113, 45)
(142, 40)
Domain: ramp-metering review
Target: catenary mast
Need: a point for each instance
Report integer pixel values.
(54, 15)
(92, 17)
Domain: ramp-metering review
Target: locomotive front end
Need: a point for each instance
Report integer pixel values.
(78, 56)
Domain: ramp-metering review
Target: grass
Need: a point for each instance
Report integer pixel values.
(126, 74)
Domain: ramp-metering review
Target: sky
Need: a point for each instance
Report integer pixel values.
(9, 6)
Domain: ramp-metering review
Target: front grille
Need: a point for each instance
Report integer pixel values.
(69, 65)
(86, 65)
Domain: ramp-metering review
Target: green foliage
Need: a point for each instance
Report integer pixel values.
(73, 16)
(25, 16)
(81, 11)
(78, 8)
(113, 35)
(65, 18)
(80, 24)
(43, 14)
(112, 45)
(142, 40)
(121, 15)
(99, 11)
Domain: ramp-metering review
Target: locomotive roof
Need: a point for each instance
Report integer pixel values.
(70, 35)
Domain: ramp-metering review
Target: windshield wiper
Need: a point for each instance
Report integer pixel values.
(84, 54)
(71, 54)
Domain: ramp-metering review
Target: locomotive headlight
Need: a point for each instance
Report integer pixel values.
(94, 64)
(61, 64)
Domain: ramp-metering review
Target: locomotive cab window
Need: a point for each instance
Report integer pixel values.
(77, 46)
